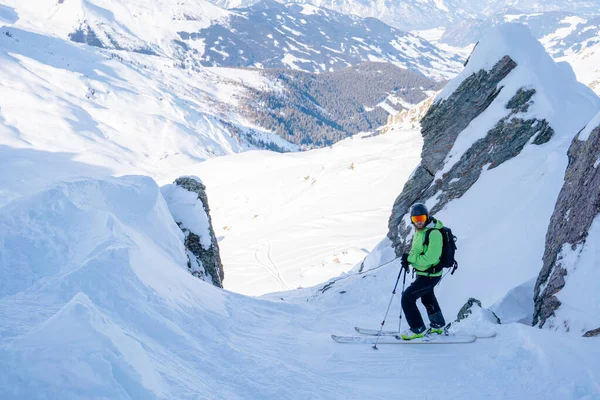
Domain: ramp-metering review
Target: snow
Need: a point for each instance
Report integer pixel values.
(302, 210)
(431, 35)
(292, 31)
(308, 9)
(389, 109)
(111, 312)
(571, 21)
(593, 124)
(440, 4)
(581, 264)
(517, 305)
(186, 208)
(132, 24)
(96, 300)
(130, 113)
(290, 60)
(555, 86)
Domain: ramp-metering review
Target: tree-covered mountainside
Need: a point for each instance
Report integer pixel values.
(315, 110)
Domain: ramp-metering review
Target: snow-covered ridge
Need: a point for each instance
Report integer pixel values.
(144, 26)
(274, 35)
(125, 111)
(427, 14)
(565, 36)
(101, 305)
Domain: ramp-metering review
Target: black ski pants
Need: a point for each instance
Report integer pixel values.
(422, 288)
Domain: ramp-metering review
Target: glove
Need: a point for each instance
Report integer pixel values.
(404, 262)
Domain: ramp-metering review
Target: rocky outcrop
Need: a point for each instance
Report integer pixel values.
(577, 206)
(188, 204)
(592, 333)
(467, 310)
(442, 124)
(409, 119)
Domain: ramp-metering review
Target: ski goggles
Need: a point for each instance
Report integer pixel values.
(418, 218)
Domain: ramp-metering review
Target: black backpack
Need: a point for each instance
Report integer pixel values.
(448, 250)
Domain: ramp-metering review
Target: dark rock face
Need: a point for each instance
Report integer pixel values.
(210, 258)
(86, 34)
(577, 205)
(592, 333)
(465, 311)
(440, 128)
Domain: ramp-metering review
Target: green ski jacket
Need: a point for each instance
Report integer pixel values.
(423, 257)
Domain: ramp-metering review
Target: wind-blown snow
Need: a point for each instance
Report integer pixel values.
(100, 305)
(96, 301)
(187, 209)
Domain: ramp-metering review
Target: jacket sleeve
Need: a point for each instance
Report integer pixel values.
(422, 262)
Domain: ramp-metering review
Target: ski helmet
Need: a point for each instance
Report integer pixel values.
(418, 209)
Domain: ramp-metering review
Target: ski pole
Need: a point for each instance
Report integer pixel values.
(403, 285)
(389, 305)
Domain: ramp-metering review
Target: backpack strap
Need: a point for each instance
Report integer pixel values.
(432, 269)
(426, 240)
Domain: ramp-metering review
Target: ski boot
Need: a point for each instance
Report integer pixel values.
(411, 334)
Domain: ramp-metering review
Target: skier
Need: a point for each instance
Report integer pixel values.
(423, 258)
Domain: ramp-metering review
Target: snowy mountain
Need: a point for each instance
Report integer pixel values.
(274, 35)
(140, 26)
(267, 35)
(316, 110)
(190, 112)
(565, 35)
(96, 300)
(559, 32)
(427, 14)
(124, 111)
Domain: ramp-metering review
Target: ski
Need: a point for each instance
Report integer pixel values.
(375, 332)
(434, 339)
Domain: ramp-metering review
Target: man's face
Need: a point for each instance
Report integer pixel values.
(419, 221)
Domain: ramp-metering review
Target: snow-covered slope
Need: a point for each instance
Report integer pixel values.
(427, 14)
(290, 220)
(144, 26)
(96, 301)
(566, 37)
(274, 35)
(126, 111)
(98, 304)
(266, 35)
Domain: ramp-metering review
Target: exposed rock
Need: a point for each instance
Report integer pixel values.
(440, 128)
(466, 310)
(577, 205)
(410, 119)
(204, 260)
(592, 333)
(87, 35)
